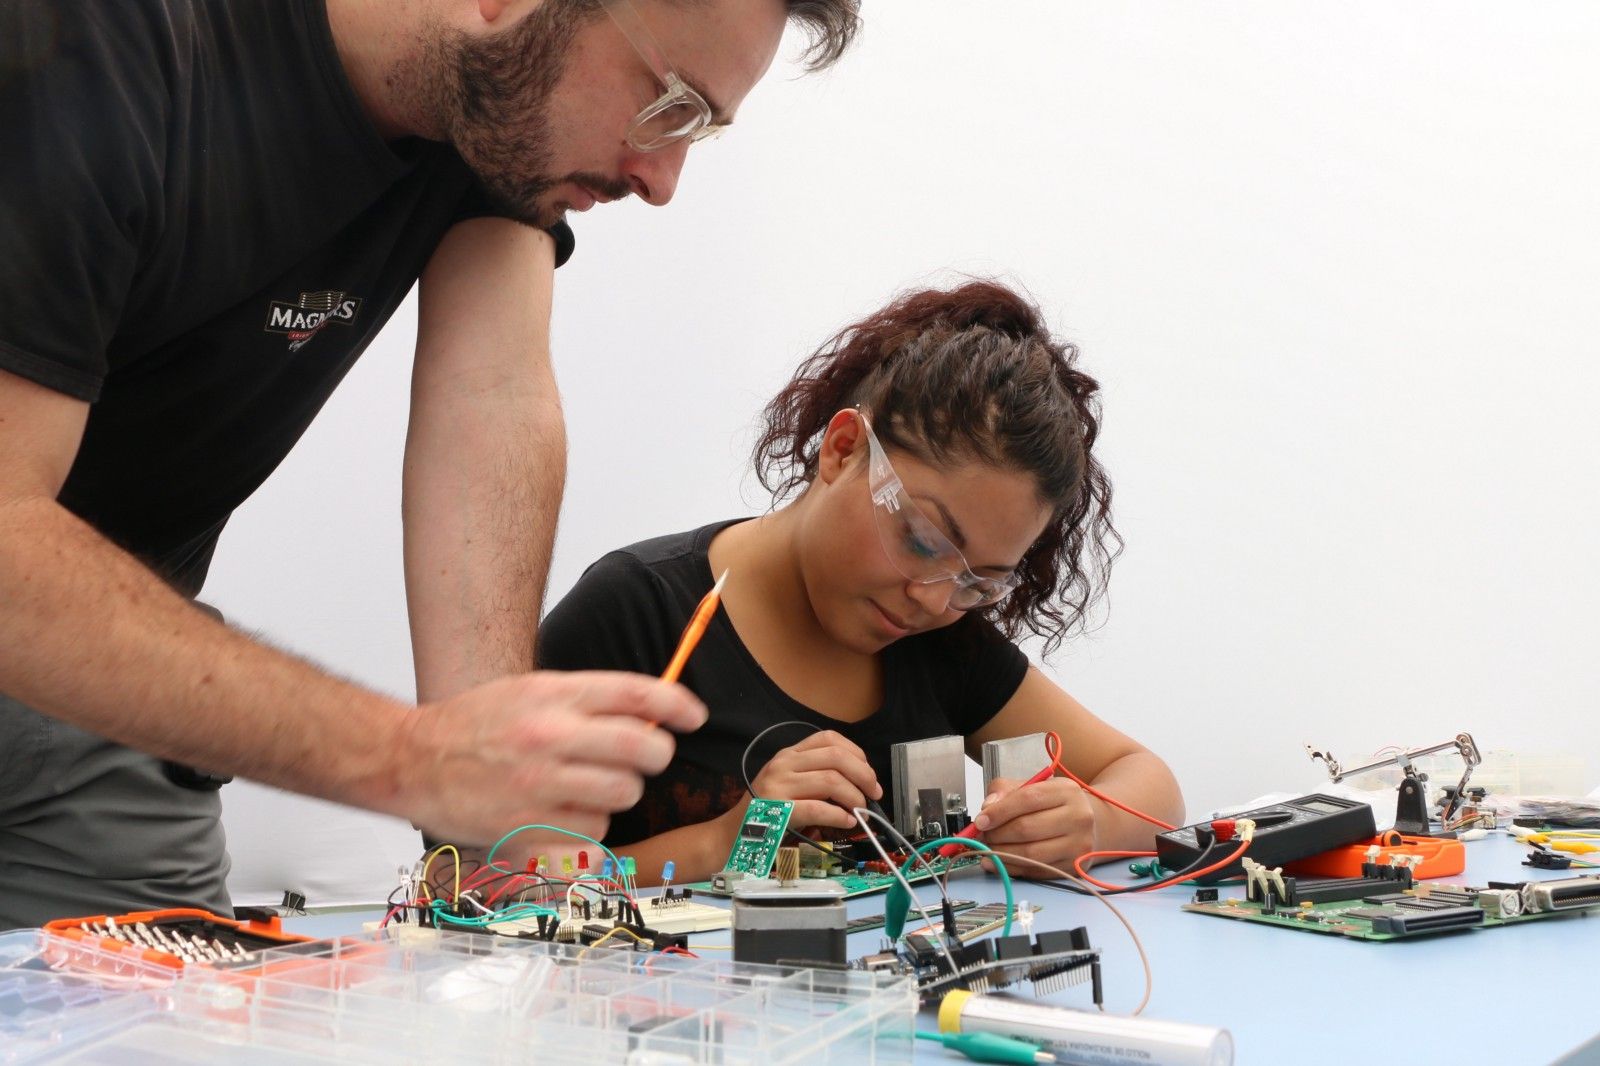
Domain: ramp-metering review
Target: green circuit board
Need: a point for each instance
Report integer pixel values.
(866, 884)
(755, 848)
(862, 884)
(1407, 915)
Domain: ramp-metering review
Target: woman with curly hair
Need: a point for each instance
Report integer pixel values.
(943, 499)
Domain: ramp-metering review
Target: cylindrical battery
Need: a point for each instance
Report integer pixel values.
(1079, 1037)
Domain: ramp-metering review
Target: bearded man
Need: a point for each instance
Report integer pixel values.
(208, 208)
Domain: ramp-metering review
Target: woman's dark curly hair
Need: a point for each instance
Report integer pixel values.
(969, 373)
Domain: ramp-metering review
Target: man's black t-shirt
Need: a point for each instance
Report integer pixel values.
(627, 613)
(200, 231)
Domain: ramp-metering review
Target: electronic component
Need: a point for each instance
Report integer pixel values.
(929, 782)
(1014, 759)
(1286, 831)
(985, 919)
(863, 879)
(972, 920)
(673, 912)
(800, 923)
(1568, 894)
(755, 846)
(1272, 890)
(1422, 909)
(1048, 962)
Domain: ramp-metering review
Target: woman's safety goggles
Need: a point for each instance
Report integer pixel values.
(915, 545)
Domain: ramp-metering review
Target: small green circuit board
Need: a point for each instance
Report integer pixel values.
(1406, 915)
(755, 848)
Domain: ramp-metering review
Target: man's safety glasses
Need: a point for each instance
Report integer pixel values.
(915, 545)
(680, 113)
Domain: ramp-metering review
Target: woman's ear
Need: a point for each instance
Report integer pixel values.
(842, 439)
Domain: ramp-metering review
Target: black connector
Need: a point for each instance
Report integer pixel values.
(951, 933)
(254, 914)
(1428, 921)
(1547, 860)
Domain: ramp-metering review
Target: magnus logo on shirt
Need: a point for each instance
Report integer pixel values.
(305, 320)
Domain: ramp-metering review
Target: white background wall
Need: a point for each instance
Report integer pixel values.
(1336, 265)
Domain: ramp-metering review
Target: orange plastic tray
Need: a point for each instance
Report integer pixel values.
(1441, 857)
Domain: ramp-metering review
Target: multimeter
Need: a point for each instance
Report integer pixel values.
(1285, 832)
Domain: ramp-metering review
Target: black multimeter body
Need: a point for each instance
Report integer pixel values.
(1285, 832)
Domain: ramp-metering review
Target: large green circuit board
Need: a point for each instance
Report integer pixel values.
(862, 884)
(865, 884)
(1433, 909)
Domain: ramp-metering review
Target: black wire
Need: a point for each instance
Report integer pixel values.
(744, 772)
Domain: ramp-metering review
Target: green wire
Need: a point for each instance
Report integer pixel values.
(510, 914)
(616, 863)
(989, 1047)
(1005, 878)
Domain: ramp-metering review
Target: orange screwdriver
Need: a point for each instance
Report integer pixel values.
(694, 630)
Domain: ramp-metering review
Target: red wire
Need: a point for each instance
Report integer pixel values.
(1187, 875)
(1052, 748)
(511, 880)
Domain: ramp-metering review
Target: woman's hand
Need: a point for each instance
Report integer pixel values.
(1052, 821)
(825, 775)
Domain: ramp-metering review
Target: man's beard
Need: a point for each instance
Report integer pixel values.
(491, 98)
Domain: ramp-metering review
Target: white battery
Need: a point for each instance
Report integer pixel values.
(1086, 1039)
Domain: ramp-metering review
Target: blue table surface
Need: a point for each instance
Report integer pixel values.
(1523, 994)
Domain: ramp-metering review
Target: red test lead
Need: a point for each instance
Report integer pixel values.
(971, 831)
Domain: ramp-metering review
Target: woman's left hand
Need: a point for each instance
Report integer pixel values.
(1052, 821)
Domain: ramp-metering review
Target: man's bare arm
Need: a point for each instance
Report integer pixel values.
(485, 456)
(90, 636)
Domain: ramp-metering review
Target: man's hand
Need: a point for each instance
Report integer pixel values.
(564, 749)
(826, 775)
(1052, 821)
